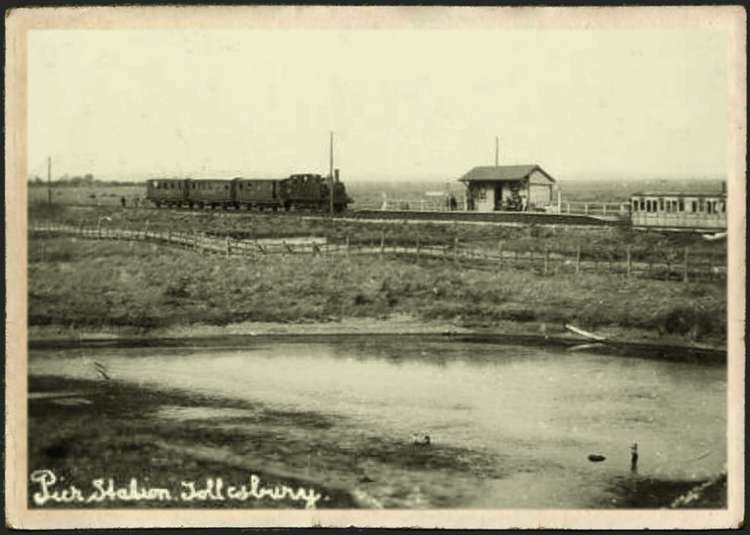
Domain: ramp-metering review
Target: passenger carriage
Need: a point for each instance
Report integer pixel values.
(257, 193)
(167, 191)
(211, 192)
(697, 211)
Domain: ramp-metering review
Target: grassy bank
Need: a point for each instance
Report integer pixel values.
(83, 284)
(595, 243)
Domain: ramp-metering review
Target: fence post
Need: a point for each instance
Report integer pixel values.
(604, 208)
(546, 259)
(418, 248)
(586, 208)
(228, 247)
(685, 266)
(382, 243)
(347, 245)
(567, 207)
(455, 249)
(578, 259)
(628, 261)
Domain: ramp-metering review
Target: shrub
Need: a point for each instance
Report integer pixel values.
(694, 321)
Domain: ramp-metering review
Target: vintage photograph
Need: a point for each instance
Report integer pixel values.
(376, 266)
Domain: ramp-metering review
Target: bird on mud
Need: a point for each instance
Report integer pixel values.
(420, 439)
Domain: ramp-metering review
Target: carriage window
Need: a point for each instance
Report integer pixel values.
(635, 205)
(695, 206)
(682, 205)
(661, 204)
(642, 204)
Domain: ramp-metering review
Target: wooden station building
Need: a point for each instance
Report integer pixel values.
(518, 188)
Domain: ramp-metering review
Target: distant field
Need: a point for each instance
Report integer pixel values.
(92, 195)
(370, 194)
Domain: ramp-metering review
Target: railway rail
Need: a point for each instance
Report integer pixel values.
(439, 217)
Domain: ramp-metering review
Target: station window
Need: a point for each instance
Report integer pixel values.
(635, 205)
(681, 207)
(694, 206)
(661, 204)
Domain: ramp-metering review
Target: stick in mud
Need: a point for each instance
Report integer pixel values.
(634, 458)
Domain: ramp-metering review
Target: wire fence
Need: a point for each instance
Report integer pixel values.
(674, 264)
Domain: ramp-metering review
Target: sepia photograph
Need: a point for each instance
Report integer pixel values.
(439, 267)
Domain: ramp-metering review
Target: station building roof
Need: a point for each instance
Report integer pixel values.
(502, 172)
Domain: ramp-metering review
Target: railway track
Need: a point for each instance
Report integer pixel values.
(439, 217)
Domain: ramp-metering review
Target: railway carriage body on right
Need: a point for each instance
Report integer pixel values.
(689, 211)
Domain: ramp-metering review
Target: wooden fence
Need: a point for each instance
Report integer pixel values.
(684, 264)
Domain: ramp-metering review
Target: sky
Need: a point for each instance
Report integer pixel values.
(403, 105)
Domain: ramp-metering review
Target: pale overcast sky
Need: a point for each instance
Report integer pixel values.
(403, 104)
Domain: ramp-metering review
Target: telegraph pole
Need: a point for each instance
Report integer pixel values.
(49, 179)
(330, 174)
(497, 151)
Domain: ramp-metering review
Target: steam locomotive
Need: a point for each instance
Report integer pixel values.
(297, 192)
